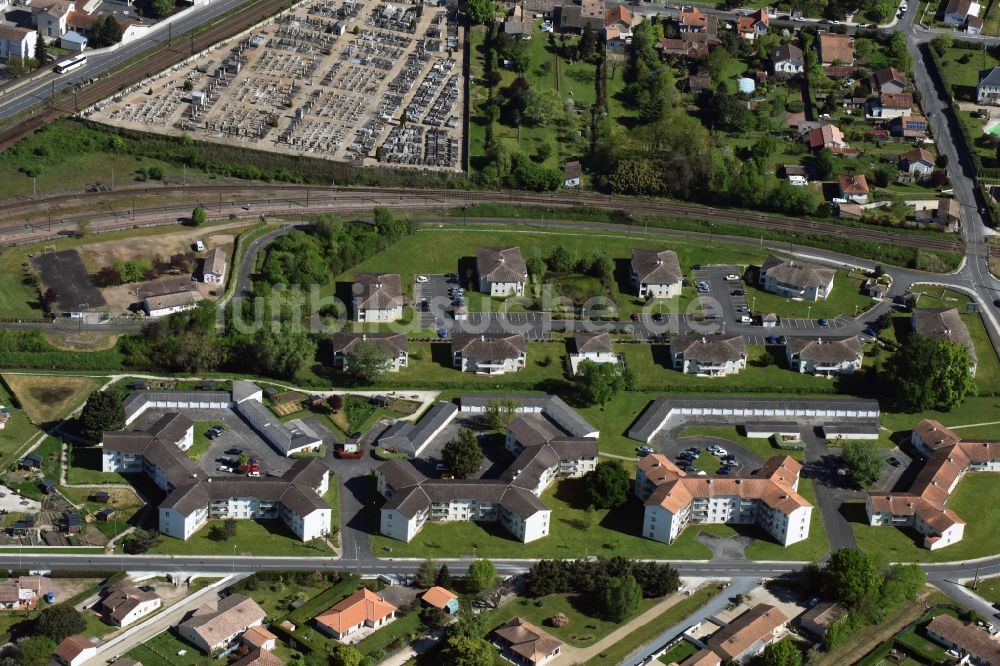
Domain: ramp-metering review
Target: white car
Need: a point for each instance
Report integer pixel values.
(799, 19)
(733, 278)
(701, 472)
(720, 452)
(421, 279)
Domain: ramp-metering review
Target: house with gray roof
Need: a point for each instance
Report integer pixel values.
(710, 356)
(656, 273)
(377, 297)
(172, 303)
(988, 88)
(794, 279)
(542, 450)
(787, 59)
(217, 623)
(394, 346)
(413, 438)
(488, 354)
(214, 271)
(593, 347)
(501, 271)
(824, 356)
(944, 324)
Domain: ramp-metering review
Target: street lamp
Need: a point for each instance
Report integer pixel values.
(234, 559)
(809, 310)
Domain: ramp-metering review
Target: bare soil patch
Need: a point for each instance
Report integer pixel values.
(84, 341)
(47, 398)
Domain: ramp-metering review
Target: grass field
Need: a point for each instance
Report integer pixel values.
(678, 653)
(47, 398)
(163, 649)
(85, 467)
(988, 588)
(18, 429)
(845, 296)
(201, 440)
(266, 537)
(973, 501)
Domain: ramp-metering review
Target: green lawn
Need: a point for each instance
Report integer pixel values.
(973, 501)
(332, 497)
(813, 548)
(845, 296)
(988, 588)
(201, 440)
(268, 537)
(647, 632)
(984, 409)
(678, 653)
(162, 650)
(402, 628)
(18, 430)
(85, 467)
(614, 420)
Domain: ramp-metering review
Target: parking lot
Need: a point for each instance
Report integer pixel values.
(436, 310)
(363, 82)
(672, 446)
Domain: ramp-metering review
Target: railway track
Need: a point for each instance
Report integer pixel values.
(223, 28)
(13, 214)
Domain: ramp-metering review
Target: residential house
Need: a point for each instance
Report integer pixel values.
(501, 271)
(412, 438)
(440, 598)
(973, 25)
(593, 347)
(909, 126)
(819, 356)
(618, 24)
(124, 603)
(75, 651)
(656, 273)
(16, 42)
(793, 279)
(753, 26)
(710, 356)
(887, 80)
(957, 11)
(973, 644)
(168, 304)
(787, 59)
(688, 45)
(578, 17)
(892, 105)
(215, 267)
(916, 162)
(818, 619)
(748, 635)
(853, 188)
(525, 644)
(393, 346)
(693, 20)
(572, 174)
(362, 609)
(988, 88)
(699, 82)
(944, 324)
(20, 593)
(259, 638)
(948, 214)
(256, 657)
(493, 354)
(217, 623)
(377, 297)
(836, 48)
(519, 24)
(82, 23)
(51, 17)
(826, 136)
(673, 500)
(703, 657)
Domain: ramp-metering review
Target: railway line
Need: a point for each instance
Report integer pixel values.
(20, 221)
(94, 92)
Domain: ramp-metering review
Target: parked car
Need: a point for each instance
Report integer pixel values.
(894, 461)
(732, 277)
(645, 450)
(234, 451)
(253, 475)
(746, 319)
(736, 292)
(720, 452)
(772, 340)
(422, 279)
(871, 332)
(725, 471)
(823, 322)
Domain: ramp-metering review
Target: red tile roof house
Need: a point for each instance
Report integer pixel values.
(854, 188)
(749, 634)
(826, 136)
(752, 26)
(523, 643)
(216, 624)
(834, 48)
(362, 609)
(75, 650)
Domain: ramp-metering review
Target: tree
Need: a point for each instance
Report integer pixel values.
(140, 541)
(499, 413)
(781, 653)
(106, 32)
(161, 8)
(480, 11)
(462, 455)
(443, 578)
(335, 402)
(104, 412)
(464, 651)
(851, 577)
(433, 618)
(283, 353)
(902, 584)
(864, 462)
(426, 573)
(599, 382)
(130, 271)
(926, 373)
(467, 624)
(620, 598)
(823, 164)
(607, 486)
(482, 575)
(34, 651)
(41, 51)
(368, 361)
(347, 655)
(884, 321)
(58, 622)
(199, 216)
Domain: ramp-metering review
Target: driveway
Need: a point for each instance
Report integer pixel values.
(672, 445)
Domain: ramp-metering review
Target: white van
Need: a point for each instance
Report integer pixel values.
(746, 319)
(199, 246)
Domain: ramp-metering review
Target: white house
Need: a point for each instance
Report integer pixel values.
(594, 347)
(818, 356)
(488, 354)
(73, 41)
(124, 603)
(16, 42)
(377, 298)
(854, 188)
(51, 16)
(394, 346)
(710, 356)
(753, 26)
(75, 651)
(656, 274)
(501, 271)
(168, 304)
(916, 162)
(216, 624)
(770, 499)
(944, 324)
(572, 174)
(787, 59)
(364, 608)
(957, 11)
(215, 267)
(988, 88)
(972, 644)
(793, 279)
(749, 634)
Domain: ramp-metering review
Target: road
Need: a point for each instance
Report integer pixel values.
(40, 89)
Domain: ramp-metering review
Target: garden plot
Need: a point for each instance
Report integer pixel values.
(368, 83)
